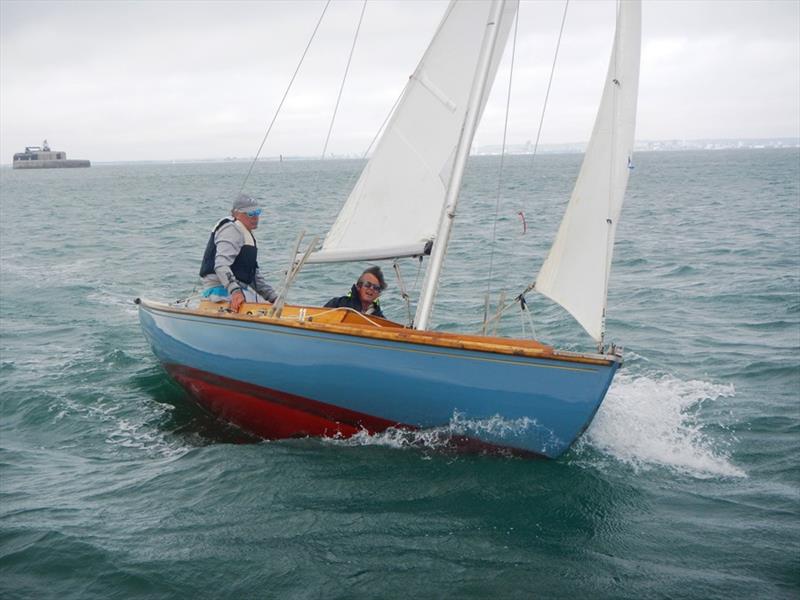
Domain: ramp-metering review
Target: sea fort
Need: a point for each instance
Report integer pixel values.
(42, 157)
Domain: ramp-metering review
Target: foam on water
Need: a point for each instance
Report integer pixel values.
(438, 438)
(645, 422)
(442, 438)
(121, 428)
(654, 421)
(130, 435)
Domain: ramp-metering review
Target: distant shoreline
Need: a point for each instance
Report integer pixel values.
(710, 145)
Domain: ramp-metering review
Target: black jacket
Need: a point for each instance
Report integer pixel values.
(353, 300)
(244, 267)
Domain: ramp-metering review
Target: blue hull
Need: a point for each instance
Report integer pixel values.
(532, 405)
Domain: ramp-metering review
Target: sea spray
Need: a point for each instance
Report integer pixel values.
(453, 436)
(654, 421)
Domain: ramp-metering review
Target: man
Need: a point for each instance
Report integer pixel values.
(363, 296)
(230, 266)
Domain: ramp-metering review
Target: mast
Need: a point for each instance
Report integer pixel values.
(428, 293)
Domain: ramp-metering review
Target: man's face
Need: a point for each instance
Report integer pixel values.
(249, 218)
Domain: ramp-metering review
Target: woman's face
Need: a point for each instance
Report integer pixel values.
(369, 288)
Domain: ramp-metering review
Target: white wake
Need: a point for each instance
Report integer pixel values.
(648, 422)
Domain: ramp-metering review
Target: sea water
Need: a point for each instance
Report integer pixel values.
(686, 485)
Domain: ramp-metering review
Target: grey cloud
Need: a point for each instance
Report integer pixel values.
(134, 80)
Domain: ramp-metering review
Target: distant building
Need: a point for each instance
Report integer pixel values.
(41, 157)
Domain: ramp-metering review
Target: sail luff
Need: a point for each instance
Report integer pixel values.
(489, 46)
(576, 271)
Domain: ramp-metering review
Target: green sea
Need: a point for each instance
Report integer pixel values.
(113, 484)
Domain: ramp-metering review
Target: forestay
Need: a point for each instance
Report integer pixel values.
(575, 273)
(395, 207)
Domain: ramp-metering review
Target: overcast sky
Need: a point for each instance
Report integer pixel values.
(141, 80)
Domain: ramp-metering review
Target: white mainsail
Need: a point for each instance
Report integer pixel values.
(575, 272)
(396, 205)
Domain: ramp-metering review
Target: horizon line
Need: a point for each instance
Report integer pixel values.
(671, 145)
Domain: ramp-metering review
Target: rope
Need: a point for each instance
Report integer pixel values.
(526, 312)
(403, 293)
(350, 310)
(500, 312)
(419, 270)
(500, 174)
(503, 307)
(344, 78)
(285, 94)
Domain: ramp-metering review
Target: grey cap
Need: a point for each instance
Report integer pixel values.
(244, 203)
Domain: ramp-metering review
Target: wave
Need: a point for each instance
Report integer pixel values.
(456, 436)
(437, 439)
(644, 423)
(653, 422)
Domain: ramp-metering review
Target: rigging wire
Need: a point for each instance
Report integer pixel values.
(344, 78)
(285, 94)
(521, 297)
(500, 174)
(356, 174)
(381, 130)
(389, 115)
(386, 120)
(402, 92)
(550, 81)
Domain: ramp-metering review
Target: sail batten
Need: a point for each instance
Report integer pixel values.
(576, 270)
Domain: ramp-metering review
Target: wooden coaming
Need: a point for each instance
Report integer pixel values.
(345, 321)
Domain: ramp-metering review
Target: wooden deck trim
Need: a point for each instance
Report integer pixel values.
(383, 329)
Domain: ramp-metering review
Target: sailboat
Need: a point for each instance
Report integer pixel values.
(290, 371)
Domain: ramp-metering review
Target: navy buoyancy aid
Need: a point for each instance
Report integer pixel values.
(245, 265)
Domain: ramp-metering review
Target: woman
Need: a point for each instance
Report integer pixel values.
(363, 296)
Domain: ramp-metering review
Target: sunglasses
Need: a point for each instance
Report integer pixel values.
(253, 213)
(369, 285)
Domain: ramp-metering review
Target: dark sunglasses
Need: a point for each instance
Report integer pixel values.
(253, 213)
(369, 285)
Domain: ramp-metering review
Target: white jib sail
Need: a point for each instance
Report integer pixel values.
(395, 207)
(575, 272)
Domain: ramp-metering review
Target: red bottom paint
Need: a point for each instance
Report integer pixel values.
(272, 414)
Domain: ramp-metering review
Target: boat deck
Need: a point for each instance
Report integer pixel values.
(346, 321)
